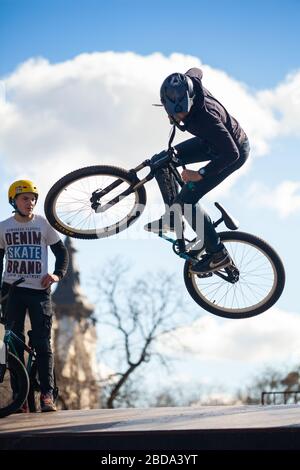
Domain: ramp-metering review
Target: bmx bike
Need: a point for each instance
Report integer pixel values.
(101, 201)
(19, 380)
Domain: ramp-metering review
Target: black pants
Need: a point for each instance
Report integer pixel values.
(38, 305)
(193, 151)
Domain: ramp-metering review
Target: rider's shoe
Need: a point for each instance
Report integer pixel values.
(163, 225)
(212, 262)
(47, 403)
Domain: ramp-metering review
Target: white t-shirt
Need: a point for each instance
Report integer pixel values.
(26, 249)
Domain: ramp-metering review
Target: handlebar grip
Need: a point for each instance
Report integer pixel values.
(18, 281)
(14, 284)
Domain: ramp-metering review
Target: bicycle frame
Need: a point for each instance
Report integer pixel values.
(168, 162)
(10, 339)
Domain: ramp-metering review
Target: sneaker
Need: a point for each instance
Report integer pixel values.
(212, 262)
(47, 403)
(163, 225)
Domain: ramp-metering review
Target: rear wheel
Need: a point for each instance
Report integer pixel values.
(249, 287)
(16, 374)
(68, 205)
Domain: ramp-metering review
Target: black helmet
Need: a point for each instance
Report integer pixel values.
(177, 93)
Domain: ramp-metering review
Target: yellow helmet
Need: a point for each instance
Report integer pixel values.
(19, 187)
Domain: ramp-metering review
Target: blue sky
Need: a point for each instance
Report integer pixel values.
(256, 42)
(248, 50)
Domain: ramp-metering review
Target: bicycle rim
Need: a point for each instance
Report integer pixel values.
(72, 206)
(11, 401)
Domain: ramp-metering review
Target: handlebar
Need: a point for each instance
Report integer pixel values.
(18, 281)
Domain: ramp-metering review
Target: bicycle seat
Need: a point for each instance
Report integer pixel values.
(229, 221)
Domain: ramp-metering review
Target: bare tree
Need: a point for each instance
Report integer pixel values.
(177, 396)
(269, 380)
(134, 314)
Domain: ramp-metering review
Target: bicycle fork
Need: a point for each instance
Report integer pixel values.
(136, 184)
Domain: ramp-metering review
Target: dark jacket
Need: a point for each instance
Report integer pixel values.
(210, 120)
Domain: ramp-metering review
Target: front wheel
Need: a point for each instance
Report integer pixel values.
(250, 286)
(14, 386)
(70, 210)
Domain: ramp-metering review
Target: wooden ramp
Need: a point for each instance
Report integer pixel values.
(194, 428)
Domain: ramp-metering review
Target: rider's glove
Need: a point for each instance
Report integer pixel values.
(171, 120)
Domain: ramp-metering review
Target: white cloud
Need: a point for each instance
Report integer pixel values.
(271, 337)
(255, 117)
(284, 199)
(96, 108)
(284, 103)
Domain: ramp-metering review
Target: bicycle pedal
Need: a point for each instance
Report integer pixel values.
(203, 275)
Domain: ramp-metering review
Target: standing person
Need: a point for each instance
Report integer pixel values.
(24, 241)
(218, 139)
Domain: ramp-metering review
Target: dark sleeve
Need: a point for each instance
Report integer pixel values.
(2, 252)
(62, 258)
(216, 133)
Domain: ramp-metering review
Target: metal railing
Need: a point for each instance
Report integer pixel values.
(286, 396)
